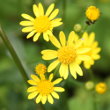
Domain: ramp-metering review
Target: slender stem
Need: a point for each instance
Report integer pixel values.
(14, 54)
(64, 9)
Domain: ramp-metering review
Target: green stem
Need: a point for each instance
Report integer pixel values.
(14, 54)
(64, 9)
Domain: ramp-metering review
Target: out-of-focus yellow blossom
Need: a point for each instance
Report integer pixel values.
(40, 69)
(101, 88)
(89, 85)
(89, 42)
(92, 13)
(41, 23)
(44, 89)
(68, 55)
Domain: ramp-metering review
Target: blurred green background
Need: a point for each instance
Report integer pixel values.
(13, 94)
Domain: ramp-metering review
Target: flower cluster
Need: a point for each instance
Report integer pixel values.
(70, 52)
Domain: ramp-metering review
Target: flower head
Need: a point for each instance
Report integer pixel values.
(92, 13)
(68, 55)
(101, 88)
(41, 23)
(89, 42)
(44, 89)
(40, 69)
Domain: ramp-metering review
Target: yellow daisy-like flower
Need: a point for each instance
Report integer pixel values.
(40, 69)
(44, 89)
(92, 13)
(68, 55)
(89, 42)
(101, 88)
(42, 23)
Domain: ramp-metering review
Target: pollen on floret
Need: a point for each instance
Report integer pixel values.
(92, 13)
(40, 69)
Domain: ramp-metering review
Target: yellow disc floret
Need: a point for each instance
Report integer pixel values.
(45, 87)
(92, 13)
(101, 88)
(42, 24)
(66, 55)
(40, 69)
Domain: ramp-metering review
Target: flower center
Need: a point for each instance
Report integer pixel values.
(66, 55)
(45, 87)
(42, 24)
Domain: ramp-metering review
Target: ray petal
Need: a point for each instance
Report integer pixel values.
(36, 37)
(55, 95)
(50, 99)
(62, 38)
(36, 10)
(55, 42)
(64, 71)
(28, 17)
(54, 14)
(32, 95)
(49, 10)
(41, 9)
(38, 99)
(53, 65)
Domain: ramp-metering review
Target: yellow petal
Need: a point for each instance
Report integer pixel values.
(54, 14)
(87, 65)
(31, 89)
(28, 17)
(96, 57)
(26, 23)
(32, 95)
(83, 50)
(63, 71)
(31, 34)
(41, 9)
(53, 65)
(46, 37)
(85, 36)
(55, 42)
(62, 38)
(57, 81)
(44, 98)
(78, 69)
(56, 24)
(32, 82)
(71, 38)
(72, 71)
(27, 29)
(91, 38)
(59, 89)
(55, 95)
(36, 10)
(38, 99)
(35, 78)
(49, 10)
(36, 37)
(84, 57)
(50, 99)
(50, 77)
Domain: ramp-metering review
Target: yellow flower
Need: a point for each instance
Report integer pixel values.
(44, 89)
(42, 23)
(88, 42)
(68, 55)
(101, 88)
(40, 69)
(92, 13)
